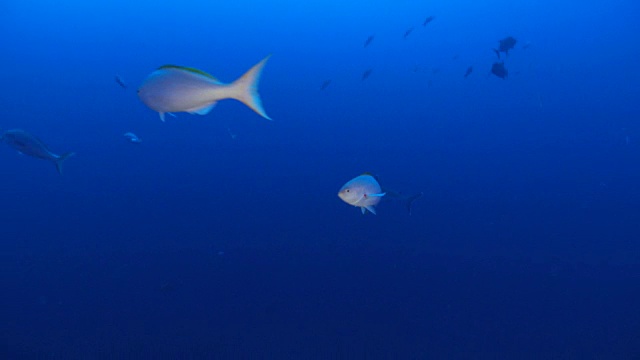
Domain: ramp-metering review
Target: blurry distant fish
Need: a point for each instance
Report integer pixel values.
(173, 88)
(27, 144)
(408, 32)
(366, 74)
(232, 135)
(526, 45)
(325, 84)
(132, 138)
(428, 20)
(369, 40)
(506, 44)
(167, 286)
(170, 285)
(468, 72)
(365, 192)
(407, 199)
(120, 82)
(499, 70)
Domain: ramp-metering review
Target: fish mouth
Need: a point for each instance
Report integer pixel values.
(342, 194)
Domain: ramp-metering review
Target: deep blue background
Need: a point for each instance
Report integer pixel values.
(193, 244)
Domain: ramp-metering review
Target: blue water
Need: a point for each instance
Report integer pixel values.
(196, 244)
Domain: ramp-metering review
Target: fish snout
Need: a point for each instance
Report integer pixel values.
(348, 195)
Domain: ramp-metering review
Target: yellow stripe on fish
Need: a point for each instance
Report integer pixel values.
(189, 69)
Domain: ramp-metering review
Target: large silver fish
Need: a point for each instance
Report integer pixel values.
(174, 88)
(28, 144)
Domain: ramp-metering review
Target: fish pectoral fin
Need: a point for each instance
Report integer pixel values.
(371, 209)
(363, 210)
(161, 116)
(204, 110)
(379, 195)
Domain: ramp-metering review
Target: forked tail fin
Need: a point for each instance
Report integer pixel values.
(245, 89)
(411, 199)
(59, 161)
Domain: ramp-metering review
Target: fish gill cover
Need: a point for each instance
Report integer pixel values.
(222, 235)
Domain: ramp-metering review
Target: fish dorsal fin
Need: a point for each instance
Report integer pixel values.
(366, 173)
(188, 69)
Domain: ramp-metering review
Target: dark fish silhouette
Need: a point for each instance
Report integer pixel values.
(27, 144)
(526, 45)
(468, 72)
(366, 74)
(120, 82)
(428, 20)
(369, 40)
(499, 70)
(325, 84)
(406, 33)
(506, 44)
(397, 196)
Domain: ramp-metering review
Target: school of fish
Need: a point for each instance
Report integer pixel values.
(173, 89)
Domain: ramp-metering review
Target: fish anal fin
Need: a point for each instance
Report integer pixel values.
(371, 209)
(202, 110)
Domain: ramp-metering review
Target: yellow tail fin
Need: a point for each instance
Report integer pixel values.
(245, 89)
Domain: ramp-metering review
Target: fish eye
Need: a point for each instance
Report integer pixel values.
(348, 190)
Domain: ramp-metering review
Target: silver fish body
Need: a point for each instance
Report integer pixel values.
(173, 88)
(132, 138)
(28, 144)
(362, 191)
